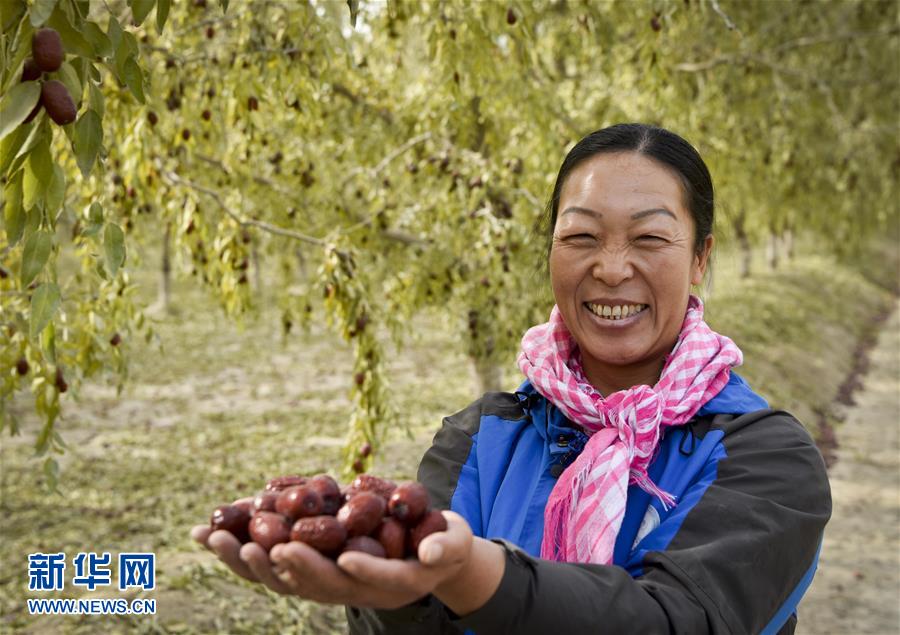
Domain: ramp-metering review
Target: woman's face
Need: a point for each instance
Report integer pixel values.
(622, 262)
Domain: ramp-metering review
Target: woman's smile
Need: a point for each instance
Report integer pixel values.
(617, 316)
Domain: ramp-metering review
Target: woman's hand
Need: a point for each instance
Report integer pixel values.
(358, 579)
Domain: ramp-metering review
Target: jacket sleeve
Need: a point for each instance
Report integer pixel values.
(737, 562)
(446, 473)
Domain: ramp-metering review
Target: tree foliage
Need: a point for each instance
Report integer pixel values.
(399, 158)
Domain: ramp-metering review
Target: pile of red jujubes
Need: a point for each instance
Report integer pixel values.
(373, 515)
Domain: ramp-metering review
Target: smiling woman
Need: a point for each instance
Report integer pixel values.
(633, 481)
(623, 257)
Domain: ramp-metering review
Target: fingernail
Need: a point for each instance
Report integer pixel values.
(433, 553)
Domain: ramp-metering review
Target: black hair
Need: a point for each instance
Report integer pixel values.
(656, 143)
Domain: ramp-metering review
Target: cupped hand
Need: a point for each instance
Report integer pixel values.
(357, 578)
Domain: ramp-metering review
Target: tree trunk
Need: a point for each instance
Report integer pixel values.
(487, 374)
(787, 239)
(772, 250)
(744, 242)
(301, 260)
(257, 276)
(165, 274)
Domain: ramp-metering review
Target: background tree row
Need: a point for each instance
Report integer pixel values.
(361, 169)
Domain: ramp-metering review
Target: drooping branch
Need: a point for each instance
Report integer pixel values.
(728, 22)
(174, 179)
(382, 165)
(255, 177)
(343, 91)
(808, 40)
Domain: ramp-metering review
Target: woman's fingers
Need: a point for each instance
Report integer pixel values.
(200, 533)
(313, 575)
(441, 555)
(385, 573)
(450, 547)
(228, 548)
(257, 561)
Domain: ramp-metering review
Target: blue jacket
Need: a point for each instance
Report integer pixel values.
(735, 554)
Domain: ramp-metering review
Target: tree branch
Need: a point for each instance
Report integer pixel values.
(728, 22)
(378, 169)
(174, 179)
(342, 90)
(809, 40)
(256, 178)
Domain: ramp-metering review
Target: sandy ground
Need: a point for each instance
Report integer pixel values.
(857, 587)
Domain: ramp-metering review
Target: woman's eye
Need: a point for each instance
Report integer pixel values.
(580, 236)
(651, 237)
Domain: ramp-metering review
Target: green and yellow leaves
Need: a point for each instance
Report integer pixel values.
(34, 256)
(125, 64)
(44, 303)
(87, 141)
(16, 105)
(73, 41)
(41, 10)
(113, 248)
(133, 77)
(38, 175)
(162, 14)
(140, 9)
(95, 220)
(13, 212)
(98, 39)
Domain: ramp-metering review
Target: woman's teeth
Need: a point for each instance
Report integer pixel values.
(616, 312)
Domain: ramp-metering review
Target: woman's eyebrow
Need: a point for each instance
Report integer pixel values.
(635, 216)
(648, 212)
(581, 210)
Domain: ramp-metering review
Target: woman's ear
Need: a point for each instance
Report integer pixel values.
(701, 260)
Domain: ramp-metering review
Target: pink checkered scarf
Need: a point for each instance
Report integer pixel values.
(585, 509)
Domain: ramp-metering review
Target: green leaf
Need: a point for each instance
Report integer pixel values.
(44, 304)
(48, 343)
(73, 41)
(36, 136)
(140, 9)
(113, 248)
(126, 49)
(11, 13)
(354, 11)
(97, 38)
(16, 105)
(95, 214)
(38, 172)
(9, 147)
(13, 212)
(224, 5)
(69, 78)
(56, 193)
(114, 31)
(34, 256)
(51, 474)
(40, 11)
(22, 51)
(134, 79)
(95, 220)
(162, 14)
(88, 137)
(96, 99)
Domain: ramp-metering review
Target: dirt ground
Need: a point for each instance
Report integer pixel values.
(857, 586)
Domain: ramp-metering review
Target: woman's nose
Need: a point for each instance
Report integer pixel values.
(613, 267)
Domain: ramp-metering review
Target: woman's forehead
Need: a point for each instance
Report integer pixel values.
(622, 184)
